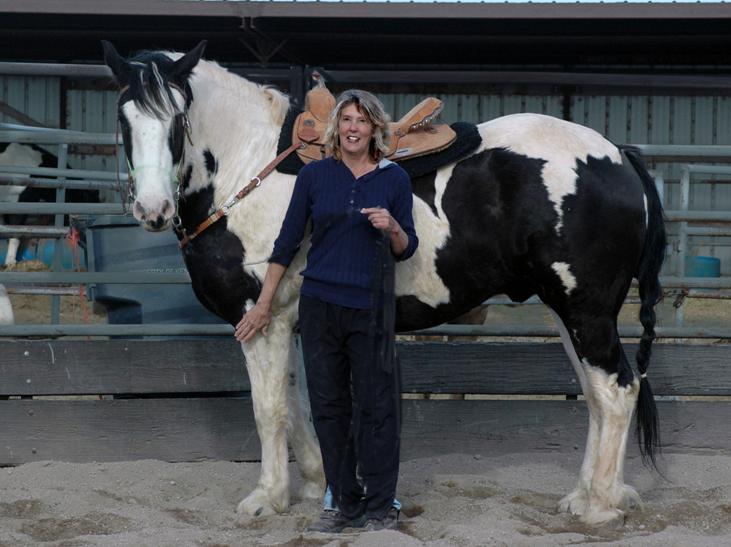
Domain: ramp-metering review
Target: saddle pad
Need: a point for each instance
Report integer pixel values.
(468, 139)
(292, 164)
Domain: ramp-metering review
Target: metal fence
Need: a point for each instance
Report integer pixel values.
(678, 283)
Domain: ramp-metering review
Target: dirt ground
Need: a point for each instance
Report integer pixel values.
(460, 500)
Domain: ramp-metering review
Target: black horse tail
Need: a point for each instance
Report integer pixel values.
(653, 254)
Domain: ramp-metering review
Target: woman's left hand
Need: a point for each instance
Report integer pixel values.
(381, 219)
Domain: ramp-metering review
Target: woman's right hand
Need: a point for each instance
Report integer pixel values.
(256, 319)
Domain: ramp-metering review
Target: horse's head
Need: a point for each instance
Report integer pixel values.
(153, 103)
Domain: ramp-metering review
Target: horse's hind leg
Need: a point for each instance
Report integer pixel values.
(267, 361)
(576, 502)
(611, 392)
(302, 435)
(608, 495)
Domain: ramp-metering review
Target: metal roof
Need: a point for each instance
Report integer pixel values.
(407, 35)
(362, 9)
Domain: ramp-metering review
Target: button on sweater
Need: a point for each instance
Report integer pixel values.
(342, 258)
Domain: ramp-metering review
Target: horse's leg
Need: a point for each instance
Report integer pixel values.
(611, 385)
(10, 256)
(608, 495)
(576, 501)
(302, 434)
(267, 361)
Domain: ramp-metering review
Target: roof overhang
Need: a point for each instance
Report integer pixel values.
(373, 10)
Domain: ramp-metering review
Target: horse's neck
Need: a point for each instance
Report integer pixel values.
(232, 122)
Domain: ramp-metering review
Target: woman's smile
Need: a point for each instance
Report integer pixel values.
(355, 131)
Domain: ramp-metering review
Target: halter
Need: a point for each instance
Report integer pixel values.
(174, 177)
(223, 211)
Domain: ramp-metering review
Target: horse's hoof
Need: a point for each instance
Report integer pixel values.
(627, 498)
(312, 490)
(257, 504)
(574, 503)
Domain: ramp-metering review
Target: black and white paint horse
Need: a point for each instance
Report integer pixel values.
(31, 155)
(542, 207)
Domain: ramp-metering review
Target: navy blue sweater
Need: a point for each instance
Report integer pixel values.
(341, 260)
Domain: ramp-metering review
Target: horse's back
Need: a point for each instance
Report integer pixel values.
(543, 206)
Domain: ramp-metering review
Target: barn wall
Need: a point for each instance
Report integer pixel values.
(638, 119)
(37, 97)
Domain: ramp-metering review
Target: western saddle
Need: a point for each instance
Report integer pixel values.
(412, 136)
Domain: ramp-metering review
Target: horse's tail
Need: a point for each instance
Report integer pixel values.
(648, 271)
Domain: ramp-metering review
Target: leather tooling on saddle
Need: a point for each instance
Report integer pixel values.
(417, 144)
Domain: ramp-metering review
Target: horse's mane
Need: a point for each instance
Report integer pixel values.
(245, 91)
(147, 86)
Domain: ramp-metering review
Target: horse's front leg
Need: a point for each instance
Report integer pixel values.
(302, 434)
(267, 361)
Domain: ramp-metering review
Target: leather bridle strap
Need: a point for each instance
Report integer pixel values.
(223, 211)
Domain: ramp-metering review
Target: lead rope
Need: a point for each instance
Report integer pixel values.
(122, 195)
(241, 194)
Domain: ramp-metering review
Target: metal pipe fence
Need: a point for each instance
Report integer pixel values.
(692, 287)
(10, 180)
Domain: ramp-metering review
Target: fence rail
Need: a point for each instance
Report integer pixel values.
(693, 287)
(198, 392)
(197, 329)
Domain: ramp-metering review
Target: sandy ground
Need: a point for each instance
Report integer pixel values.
(456, 500)
(461, 500)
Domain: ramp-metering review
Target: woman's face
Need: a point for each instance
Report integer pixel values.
(355, 132)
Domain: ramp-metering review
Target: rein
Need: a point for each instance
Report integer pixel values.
(185, 237)
(233, 200)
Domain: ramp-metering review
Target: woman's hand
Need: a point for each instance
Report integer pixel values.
(380, 218)
(256, 319)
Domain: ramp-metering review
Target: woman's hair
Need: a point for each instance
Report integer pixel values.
(368, 105)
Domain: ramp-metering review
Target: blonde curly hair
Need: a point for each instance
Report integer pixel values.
(368, 105)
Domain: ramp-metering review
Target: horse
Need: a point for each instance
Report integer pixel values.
(31, 155)
(542, 207)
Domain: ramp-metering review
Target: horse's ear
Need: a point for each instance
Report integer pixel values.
(119, 66)
(183, 66)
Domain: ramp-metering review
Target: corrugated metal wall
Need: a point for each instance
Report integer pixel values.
(623, 119)
(95, 112)
(37, 97)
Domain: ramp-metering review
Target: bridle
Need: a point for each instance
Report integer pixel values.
(177, 224)
(181, 121)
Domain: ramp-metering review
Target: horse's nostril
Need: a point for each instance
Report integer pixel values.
(168, 209)
(138, 211)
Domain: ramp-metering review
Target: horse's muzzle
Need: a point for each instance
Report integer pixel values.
(154, 219)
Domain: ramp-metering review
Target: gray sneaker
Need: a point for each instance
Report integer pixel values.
(331, 522)
(387, 522)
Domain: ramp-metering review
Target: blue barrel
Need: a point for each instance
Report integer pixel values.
(119, 244)
(702, 266)
(44, 251)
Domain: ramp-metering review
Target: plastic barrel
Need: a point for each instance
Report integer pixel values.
(119, 244)
(702, 266)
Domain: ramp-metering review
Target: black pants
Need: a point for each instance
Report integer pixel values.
(355, 406)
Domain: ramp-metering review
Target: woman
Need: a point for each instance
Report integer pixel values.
(359, 204)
